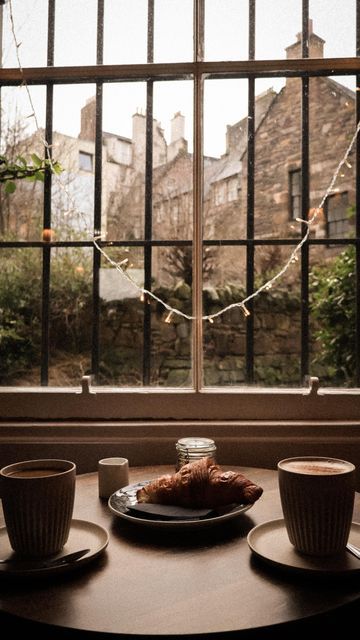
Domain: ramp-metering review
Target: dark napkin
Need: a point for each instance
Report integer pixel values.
(168, 512)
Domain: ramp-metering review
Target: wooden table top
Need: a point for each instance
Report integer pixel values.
(159, 583)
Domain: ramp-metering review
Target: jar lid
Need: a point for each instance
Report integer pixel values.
(194, 444)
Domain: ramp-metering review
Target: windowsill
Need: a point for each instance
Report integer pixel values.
(100, 403)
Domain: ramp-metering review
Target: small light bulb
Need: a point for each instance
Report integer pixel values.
(168, 317)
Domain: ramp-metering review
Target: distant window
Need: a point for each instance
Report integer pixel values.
(220, 193)
(336, 207)
(232, 189)
(85, 161)
(295, 194)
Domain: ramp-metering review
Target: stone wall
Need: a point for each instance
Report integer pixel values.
(276, 340)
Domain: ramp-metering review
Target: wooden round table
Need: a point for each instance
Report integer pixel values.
(152, 582)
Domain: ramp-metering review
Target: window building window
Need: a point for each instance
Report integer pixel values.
(337, 215)
(193, 259)
(295, 194)
(85, 161)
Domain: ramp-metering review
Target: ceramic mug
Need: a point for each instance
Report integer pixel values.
(317, 497)
(38, 500)
(113, 475)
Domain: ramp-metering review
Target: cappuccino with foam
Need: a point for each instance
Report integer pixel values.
(317, 497)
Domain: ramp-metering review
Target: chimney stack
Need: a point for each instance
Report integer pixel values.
(316, 45)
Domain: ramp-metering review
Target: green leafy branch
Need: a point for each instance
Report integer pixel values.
(22, 169)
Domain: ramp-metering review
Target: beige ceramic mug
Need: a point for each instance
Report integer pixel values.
(317, 497)
(38, 500)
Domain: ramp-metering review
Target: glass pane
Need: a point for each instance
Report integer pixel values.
(123, 352)
(20, 316)
(172, 333)
(277, 156)
(124, 155)
(277, 320)
(74, 149)
(30, 18)
(21, 210)
(70, 315)
(173, 161)
(331, 131)
(75, 32)
(125, 31)
(224, 337)
(226, 29)
(124, 128)
(277, 26)
(333, 314)
(335, 22)
(225, 141)
(173, 30)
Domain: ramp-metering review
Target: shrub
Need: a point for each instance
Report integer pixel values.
(333, 308)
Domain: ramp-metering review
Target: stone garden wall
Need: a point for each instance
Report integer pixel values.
(276, 339)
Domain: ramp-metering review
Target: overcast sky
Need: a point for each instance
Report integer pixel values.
(277, 22)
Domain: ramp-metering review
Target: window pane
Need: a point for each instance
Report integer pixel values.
(332, 126)
(70, 316)
(124, 126)
(21, 212)
(78, 21)
(125, 31)
(224, 339)
(20, 316)
(30, 26)
(124, 353)
(277, 318)
(173, 171)
(335, 22)
(332, 295)
(226, 29)
(277, 154)
(173, 30)
(277, 24)
(73, 142)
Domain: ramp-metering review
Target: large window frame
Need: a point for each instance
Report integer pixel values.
(198, 403)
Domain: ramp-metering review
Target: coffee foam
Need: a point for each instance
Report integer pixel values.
(316, 467)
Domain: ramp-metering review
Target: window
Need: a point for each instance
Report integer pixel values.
(295, 194)
(192, 258)
(337, 215)
(85, 161)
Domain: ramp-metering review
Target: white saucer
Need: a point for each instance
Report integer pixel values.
(270, 542)
(83, 535)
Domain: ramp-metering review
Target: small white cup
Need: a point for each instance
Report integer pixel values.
(113, 475)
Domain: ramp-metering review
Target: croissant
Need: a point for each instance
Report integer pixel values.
(200, 484)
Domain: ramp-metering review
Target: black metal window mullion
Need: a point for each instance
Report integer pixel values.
(304, 364)
(148, 199)
(95, 347)
(357, 210)
(46, 249)
(250, 249)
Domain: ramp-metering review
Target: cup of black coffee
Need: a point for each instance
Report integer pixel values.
(38, 500)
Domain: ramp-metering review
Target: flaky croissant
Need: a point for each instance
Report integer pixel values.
(200, 484)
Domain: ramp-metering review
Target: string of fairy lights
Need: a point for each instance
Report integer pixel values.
(147, 294)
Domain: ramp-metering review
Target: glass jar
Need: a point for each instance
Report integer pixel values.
(191, 449)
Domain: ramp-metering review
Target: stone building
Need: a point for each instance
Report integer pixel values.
(277, 177)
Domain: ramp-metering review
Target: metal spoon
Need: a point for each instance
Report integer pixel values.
(354, 550)
(43, 564)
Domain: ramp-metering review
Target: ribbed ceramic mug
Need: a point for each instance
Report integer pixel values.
(317, 497)
(38, 500)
